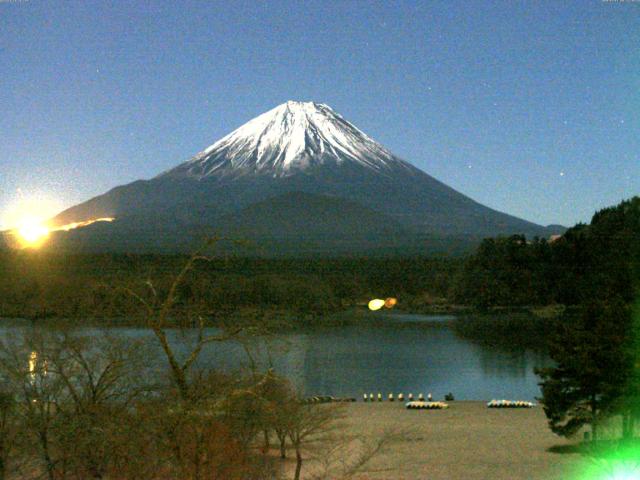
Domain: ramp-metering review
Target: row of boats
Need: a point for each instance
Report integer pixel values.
(420, 404)
(510, 404)
(371, 398)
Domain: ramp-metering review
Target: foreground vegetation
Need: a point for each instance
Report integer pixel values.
(74, 406)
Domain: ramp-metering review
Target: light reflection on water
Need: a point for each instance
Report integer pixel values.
(351, 360)
(33, 359)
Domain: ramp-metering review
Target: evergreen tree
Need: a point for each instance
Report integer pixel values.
(630, 401)
(592, 368)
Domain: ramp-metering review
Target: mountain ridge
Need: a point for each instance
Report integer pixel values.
(299, 147)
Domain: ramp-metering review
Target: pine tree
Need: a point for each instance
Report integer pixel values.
(593, 366)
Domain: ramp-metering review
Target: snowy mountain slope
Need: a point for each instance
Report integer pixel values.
(287, 139)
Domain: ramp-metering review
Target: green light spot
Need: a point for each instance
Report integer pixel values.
(618, 462)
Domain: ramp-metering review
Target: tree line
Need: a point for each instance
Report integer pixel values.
(597, 350)
(599, 259)
(40, 285)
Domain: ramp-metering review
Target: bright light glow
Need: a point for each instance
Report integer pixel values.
(631, 475)
(28, 206)
(619, 462)
(24, 220)
(32, 232)
(33, 363)
(71, 226)
(33, 359)
(624, 472)
(23, 223)
(376, 304)
(390, 302)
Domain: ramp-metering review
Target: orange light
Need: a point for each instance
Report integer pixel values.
(390, 302)
(71, 226)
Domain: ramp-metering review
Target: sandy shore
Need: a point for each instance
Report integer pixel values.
(467, 441)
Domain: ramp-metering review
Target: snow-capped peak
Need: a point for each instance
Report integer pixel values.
(288, 139)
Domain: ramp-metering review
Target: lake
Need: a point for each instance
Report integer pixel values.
(406, 353)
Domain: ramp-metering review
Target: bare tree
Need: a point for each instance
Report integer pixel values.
(38, 396)
(72, 394)
(237, 406)
(307, 424)
(9, 430)
(158, 311)
(102, 377)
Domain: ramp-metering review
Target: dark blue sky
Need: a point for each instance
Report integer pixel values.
(530, 107)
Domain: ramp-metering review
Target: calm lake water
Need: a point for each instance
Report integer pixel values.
(408, 353)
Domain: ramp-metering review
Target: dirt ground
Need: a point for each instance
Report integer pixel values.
(467, 441)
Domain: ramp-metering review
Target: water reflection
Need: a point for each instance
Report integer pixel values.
(349, 361)
(37, 367)
(510, 363)
(33, 359)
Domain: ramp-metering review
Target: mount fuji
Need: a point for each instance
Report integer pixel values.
(298, 178)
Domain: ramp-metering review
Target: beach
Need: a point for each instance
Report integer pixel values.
(466, 441)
